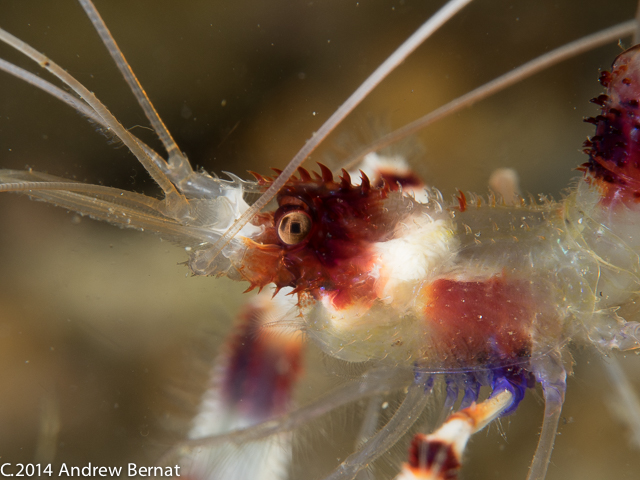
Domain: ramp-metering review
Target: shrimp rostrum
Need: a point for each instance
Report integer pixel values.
(480, 295)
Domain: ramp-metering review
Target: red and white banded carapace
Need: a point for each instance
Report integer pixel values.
(383, 276)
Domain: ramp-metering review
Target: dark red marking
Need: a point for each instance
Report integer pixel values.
(365, 186)
(327, 176)
(263, 367)
(336, 257)
(345, 179)
(304, 174)
(614, 150)
(485, 324)
(423, 453)
(395, 180)
(462, 200)
(260, 179)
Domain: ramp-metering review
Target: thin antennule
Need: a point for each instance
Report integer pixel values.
(396, 58)
(82, 188)
(503, 82)
(176, 158)
(173, 198)
(75, 103)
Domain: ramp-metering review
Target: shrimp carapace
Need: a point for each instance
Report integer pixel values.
(323, 234)
(481, 323)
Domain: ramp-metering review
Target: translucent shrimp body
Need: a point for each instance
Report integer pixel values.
(445, 287)
(478, 288)
(460, 286)
(475, 284)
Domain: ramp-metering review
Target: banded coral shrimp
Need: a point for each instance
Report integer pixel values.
(125, 343)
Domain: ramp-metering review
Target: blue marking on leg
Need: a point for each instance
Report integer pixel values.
(514, 379)
(471, 391)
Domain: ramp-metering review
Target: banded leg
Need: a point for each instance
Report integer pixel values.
(438, 456)
(252, 381)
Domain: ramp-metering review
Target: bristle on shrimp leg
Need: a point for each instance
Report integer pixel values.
(404, 417)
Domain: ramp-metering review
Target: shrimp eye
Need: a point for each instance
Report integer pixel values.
(293, 227)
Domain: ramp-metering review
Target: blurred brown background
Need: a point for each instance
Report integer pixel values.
(103, 335)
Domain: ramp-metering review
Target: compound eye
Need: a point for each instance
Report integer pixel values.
(293, 227)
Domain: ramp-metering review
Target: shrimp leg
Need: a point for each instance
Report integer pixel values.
(402, 420)
(439, 455)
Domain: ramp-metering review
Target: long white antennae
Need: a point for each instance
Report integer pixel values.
(402, 52)
(74, 102)
(173, 197)
(542, 62)
(175, 156)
